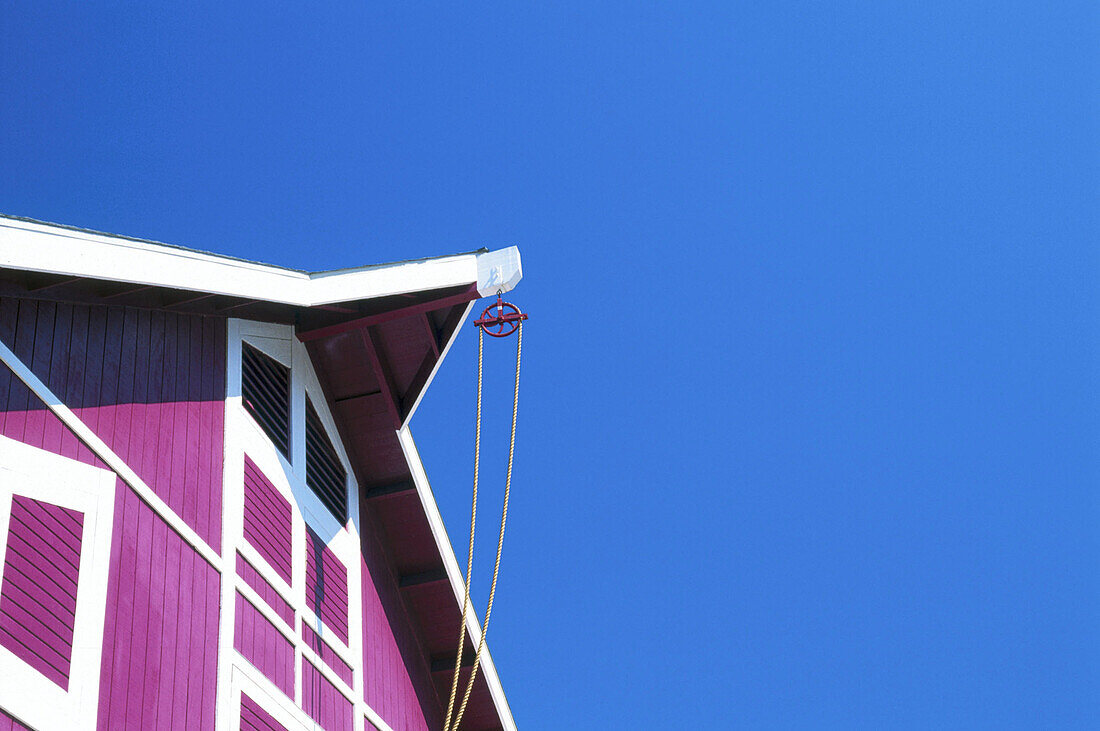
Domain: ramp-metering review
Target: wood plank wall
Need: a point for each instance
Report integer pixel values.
(326, 585)
(315, 643)
(396, 680)
(151, 384)
(253, 717)
(267, 520)
(263, 645)
(160, 644)
(323, 702)
(266, 591)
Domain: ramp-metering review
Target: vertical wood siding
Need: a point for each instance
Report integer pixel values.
(266, 591)
(25, 418)
(267, 520)
(150, 384)
(323, 702)
(38, 593)
(315, 643)
(263, 646)
(160, 642)
(326, 585)
(396, 680)
(255, 718)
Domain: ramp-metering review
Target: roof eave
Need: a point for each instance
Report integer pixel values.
(53, 249)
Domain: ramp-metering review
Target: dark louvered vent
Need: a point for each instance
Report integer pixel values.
(265, 388)
(324, 473)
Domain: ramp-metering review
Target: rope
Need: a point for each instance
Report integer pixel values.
(500, 539)
(473, 525)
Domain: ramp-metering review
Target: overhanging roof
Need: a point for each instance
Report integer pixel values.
(376, 335)
(49, 248)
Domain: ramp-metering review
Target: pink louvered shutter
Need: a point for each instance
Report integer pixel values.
(39, 585)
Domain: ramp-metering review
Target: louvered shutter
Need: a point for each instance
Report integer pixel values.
(265, 388)
(325, 474)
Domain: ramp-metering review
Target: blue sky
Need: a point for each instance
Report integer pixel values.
(809, 414)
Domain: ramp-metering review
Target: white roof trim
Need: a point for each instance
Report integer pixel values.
(41, 247)
(454, 574)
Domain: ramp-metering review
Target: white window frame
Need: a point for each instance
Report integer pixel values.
(243, 436)
(26, 694)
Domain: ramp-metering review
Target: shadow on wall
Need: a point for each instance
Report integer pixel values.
(150, 384)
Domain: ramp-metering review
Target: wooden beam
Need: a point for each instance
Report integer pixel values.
(418, 381)
(245, 303)
(433, 576)
(404, 487)
(337, 308)
(433, 336)
(51, 285)
(354, 396)
(446, 663)
(123, 293)
(194, 297)
(360, 323)
(427, 365)
(450, 323)
(382, 373)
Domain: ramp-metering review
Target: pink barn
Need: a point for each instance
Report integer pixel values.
(212, 511)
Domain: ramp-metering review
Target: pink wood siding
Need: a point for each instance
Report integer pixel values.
(160, 642)
(7, 723)
(263, 646)
(315, 643)
(267, 519)
(266, 591)
(326, 585)
(24, 418)
(150, 384)
(324, 704)
(255, 718)
(38, 591)
(396, 680)
(160, 635)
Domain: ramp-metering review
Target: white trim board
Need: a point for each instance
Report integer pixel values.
(454, 575)
(24, 692)
(42, 247)
(243, 436)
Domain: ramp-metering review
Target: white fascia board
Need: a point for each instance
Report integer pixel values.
(57, 250)
(454, 574)
(39, 247)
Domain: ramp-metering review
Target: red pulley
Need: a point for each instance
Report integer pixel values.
(503, 323)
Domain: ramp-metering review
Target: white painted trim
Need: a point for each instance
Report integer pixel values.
(42, 247)
(439, 361)
(232, 521)
(498, 271)
(454, 573)
(277, 348)
(244, 678)
(35, 473)
(245, 437)
(376, 720)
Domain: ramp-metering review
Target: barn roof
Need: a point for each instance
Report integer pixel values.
(376, 335)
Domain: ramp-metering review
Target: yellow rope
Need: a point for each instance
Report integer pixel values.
(500, 539)
(473, 524)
